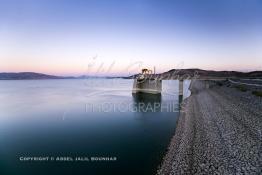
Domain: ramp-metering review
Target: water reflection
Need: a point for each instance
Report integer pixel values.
(144, 102)
(31, 125)
(180, 100)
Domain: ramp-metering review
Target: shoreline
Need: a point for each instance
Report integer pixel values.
(167, 161)
(218, 132)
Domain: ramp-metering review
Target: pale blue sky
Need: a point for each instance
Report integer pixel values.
(63, 36)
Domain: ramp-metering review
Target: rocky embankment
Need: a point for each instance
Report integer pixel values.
(219, 132)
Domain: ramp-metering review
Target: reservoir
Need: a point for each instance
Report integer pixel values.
(93, 126)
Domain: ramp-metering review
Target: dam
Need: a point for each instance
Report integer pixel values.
(147, 83)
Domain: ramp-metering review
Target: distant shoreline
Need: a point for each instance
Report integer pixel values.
(40, 76)
(171, 74)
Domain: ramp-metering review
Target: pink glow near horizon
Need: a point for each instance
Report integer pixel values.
(114, 69)
(45, 39)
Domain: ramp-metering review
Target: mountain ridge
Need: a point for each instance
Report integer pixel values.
(200, 73)
(171, 74)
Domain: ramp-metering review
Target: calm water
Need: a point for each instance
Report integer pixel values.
(84, 118)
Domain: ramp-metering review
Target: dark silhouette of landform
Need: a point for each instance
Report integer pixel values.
(171, 74)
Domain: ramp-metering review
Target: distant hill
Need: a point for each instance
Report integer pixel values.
(171, 74)
(210, 73)
(40, 76)
(27, 76)
(199, 73)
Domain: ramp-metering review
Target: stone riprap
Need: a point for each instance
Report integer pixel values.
(219, 131)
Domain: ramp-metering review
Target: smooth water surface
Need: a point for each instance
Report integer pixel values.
(84, 118)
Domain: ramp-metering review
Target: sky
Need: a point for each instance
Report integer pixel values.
(113, 37)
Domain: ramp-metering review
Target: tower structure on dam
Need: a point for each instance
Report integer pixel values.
(146, 82)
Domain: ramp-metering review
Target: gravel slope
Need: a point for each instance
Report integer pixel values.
(219, 132)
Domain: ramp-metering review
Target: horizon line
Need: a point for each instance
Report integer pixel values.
(93, 75)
